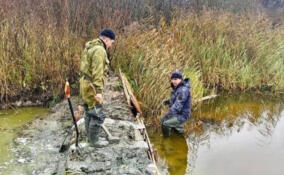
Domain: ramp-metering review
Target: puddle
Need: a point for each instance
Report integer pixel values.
(10, 123)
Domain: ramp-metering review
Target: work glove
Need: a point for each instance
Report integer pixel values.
(166, 102)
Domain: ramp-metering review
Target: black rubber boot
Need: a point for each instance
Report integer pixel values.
(97, 117)
(87, 119)
(87, 123)
(166, 131)
(94, 129)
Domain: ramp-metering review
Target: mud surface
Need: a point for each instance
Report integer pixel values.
(36, 150)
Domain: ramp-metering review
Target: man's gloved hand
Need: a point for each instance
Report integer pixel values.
(166, 102)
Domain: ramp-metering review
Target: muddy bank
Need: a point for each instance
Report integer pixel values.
(22, 103)
(36, 150)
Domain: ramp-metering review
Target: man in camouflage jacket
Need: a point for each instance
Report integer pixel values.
(93, 71)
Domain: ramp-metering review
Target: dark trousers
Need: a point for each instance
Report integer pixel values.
(93, 119)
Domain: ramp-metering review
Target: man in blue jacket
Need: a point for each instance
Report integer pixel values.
(179, 102)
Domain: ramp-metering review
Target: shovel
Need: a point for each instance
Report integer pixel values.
(64, 146)
(110, 138)
(67, 96)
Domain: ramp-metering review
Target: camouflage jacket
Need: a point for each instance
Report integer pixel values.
(93, 69)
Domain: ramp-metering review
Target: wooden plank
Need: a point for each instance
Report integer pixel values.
(147, 139)
(124, 88)
(129, 93)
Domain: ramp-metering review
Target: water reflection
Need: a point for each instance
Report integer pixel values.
(173, 150)
(240, 134)
(245, 137)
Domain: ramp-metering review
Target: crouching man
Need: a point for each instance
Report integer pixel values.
(179, 103)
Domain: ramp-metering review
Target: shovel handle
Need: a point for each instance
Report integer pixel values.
(106, 130)
(67, 90)
(68, 95)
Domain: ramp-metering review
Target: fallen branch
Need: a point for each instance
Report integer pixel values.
(205, 98)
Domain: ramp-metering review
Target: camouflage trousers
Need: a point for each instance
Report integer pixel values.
(171, 122)
(93, 119)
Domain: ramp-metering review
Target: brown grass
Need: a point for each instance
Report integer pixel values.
(218, 50)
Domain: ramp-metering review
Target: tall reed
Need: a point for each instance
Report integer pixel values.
(218, 50)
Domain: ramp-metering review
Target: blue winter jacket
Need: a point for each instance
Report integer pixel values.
(180, 102)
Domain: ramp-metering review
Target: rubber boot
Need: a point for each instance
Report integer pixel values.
(87, 119)
(97, 117)
(94, 129)
(166, 131)
(87, 123)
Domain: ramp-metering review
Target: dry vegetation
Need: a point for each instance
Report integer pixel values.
(218, 50)
(220, 45)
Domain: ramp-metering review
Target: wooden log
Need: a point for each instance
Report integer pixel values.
(129, 93)
(205, 98)
(124, 88)
(131, 100)
(147, 139)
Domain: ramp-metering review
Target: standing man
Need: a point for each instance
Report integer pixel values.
(93, 71)
(179, 102)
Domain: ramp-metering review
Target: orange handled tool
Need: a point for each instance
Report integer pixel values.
(68, 95)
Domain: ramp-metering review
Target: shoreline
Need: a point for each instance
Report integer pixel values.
(42, 138)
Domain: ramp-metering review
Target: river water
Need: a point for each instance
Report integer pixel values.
(11, 122)
(240, 134)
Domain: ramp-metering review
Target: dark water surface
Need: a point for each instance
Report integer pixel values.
(240, 134)
(173, 150)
